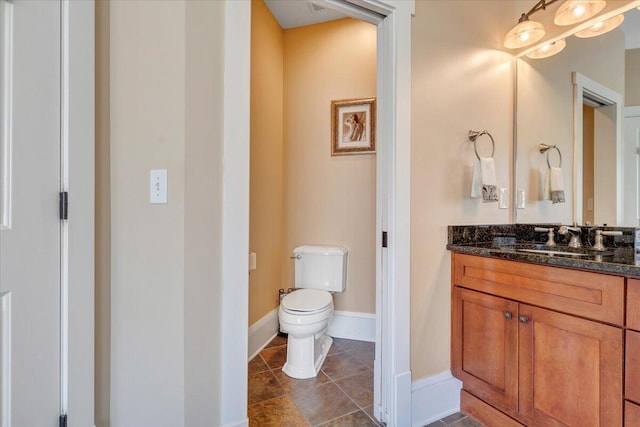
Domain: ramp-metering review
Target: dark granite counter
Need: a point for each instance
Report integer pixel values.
(519, 242)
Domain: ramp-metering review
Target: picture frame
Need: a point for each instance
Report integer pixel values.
(353, 126)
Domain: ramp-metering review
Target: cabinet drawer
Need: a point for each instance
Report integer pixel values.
(633, 304)
(631, 415)
(632, 367)
(592, 295)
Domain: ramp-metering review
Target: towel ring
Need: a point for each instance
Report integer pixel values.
(544, 148)
(473, 136)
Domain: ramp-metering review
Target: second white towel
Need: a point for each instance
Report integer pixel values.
(484, 180)
(554, 186)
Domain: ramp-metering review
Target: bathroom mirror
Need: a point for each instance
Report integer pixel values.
(576, 100)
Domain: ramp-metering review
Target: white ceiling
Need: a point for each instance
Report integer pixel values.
(297, 13)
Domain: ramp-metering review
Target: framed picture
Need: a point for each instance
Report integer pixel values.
(353, 126)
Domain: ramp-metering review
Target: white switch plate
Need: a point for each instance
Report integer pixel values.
(522, 200)
(503, 198)
(158, 186)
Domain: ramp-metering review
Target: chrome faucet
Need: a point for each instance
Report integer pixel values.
(550, 236)
(599, 246)
(574, 233)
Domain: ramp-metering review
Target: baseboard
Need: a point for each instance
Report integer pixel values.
(435, 397)
(242, 423)
(262, 332)
(353, 326)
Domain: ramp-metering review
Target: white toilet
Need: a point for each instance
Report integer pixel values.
(305, 313)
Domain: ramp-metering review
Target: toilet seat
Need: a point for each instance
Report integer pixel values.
(306, 301)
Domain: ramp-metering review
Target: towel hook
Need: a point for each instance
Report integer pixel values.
(474, 135)
(544, 148)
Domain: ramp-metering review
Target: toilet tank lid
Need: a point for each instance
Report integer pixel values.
(320, 250)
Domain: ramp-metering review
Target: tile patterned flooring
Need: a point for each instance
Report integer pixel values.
(340, 396)
(456, 420)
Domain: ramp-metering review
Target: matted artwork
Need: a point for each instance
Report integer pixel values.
(353, 126)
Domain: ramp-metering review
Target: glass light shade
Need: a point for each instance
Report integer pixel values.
(524, 34)
(574, 11)
(548, 49)
(601, 27)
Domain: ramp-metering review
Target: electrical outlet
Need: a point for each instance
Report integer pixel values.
(503, 198)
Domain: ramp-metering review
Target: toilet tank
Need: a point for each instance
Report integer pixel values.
(321, 267)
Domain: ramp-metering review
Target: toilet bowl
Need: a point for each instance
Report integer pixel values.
(305, 313)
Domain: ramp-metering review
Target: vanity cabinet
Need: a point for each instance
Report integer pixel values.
(542, 345)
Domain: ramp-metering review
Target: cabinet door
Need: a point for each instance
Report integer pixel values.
(632, 367)
(484, 346)
(570, 370)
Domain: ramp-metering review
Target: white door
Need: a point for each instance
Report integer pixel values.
(30, 248)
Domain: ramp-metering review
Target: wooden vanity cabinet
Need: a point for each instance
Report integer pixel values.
(541, 367)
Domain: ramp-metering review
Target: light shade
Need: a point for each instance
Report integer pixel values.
(524, 34)
(601, 27)
(574, 11)
(548, 49)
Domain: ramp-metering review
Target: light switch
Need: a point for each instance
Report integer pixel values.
(158, 186)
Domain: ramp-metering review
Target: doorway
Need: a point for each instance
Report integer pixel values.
(393, 211)
(302, 194)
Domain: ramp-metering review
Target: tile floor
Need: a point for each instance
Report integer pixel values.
(456, 420)
(341, 394)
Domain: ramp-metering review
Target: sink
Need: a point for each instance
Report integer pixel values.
(552, 252)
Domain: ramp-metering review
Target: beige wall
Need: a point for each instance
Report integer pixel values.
(545, 114)
(266, 222)
(203, 212)
(461, 80)
(165, 112)
(632, 77)
(329, 200)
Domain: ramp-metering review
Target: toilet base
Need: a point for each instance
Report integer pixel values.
(305, 356)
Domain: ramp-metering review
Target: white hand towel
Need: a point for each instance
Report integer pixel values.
(484, 180)
(554, 186)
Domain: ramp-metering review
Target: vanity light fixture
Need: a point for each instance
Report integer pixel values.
(548, 49)
(601, 27)
(527, 32)
(574, 11)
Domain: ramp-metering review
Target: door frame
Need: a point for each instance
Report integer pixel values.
(582, 85)
(393, 208)
(631, 170)
(78, 166)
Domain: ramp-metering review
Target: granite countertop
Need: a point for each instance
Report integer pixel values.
(516, 241)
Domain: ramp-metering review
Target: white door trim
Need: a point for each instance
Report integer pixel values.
(78, 56)
(585, 86)
(394, 34)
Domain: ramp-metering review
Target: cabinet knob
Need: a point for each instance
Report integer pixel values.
(523, 319)
(508, 315)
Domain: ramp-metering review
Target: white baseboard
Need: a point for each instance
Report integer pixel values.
(243, 423)
(353, 326)
(262, 332)
(435, 397)
(345, 324)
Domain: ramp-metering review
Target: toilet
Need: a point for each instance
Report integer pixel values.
(306, 312)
